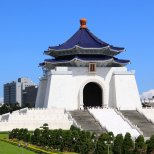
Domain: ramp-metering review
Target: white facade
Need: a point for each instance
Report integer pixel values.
(63, 88)
(18, 93)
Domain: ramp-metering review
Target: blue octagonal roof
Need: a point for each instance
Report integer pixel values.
(85, 39)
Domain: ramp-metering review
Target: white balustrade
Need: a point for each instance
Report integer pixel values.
(148, 112)
(113, 122)
(34, 118)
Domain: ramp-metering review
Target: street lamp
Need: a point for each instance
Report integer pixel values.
(94, 140)
(108, 143)
(19, 145)
(61, 145)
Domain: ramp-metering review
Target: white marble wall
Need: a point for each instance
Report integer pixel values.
(34, 118)
(65, 85)
(40, 99)
(126, 91)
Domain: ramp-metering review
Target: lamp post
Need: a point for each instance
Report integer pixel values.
(94, 140)
(74, 144)
(19, 145)
(61, 145)
(108, 145)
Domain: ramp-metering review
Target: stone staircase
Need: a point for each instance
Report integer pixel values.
(87, 121)
(140, 120)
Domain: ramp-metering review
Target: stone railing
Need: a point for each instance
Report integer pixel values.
(140, 111)
(95, 116)
(5, 117)
(35, 109)
(23, 111)
(103, 126)
(98, 107)
(129, 122)
(148, 107)
(15, 112)
(73, 120)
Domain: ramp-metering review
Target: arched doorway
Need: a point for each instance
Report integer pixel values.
(92, 95)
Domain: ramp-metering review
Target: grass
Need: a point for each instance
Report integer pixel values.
(6, 148)
(4, 135)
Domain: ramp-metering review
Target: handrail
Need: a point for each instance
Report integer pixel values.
(129, 122)
(103, 126)
(74, 121)
(148, 118)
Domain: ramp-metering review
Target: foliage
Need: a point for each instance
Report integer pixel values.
(104, 143)
(75, 140)
(74, 128)
(140, 146)
(118, 142)
(20, 134)
(128, 144)
(5, 108)
(150, 146)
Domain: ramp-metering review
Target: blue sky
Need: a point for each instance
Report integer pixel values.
(28, 27)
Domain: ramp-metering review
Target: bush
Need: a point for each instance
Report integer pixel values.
(140, 146)
(118, 142)
(128, 144)
(150, 146)
(83, 142)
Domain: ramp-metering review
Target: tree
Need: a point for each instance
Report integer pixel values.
(35, 138)
(16, 106)
(101, 146)
(72, 128)
(14, 134)
(118, 142)
(150, 146)
(140, 146)
(75, 140)
(128, 144)
(45, 126)
(26, 135)
(5, 108)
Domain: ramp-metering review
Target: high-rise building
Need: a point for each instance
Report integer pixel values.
(13, 91)
(29, 96)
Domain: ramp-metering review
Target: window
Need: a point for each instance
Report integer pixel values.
(92, 67)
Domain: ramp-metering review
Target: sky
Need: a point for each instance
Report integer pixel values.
(29, 27)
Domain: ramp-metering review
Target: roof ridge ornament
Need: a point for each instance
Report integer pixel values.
(83, 22)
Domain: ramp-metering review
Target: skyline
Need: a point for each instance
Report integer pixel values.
(28, 28)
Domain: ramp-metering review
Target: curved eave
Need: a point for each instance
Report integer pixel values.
(112, 62)
(108, 50)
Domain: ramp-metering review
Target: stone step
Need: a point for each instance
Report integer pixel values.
(140, 120)
(87, 121)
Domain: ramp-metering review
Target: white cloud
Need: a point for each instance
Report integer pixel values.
(147, 94)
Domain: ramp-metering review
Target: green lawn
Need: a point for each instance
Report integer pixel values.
(6, 148)
(3, 135)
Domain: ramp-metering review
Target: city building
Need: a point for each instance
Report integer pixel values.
(13, 91)
(29, 96)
